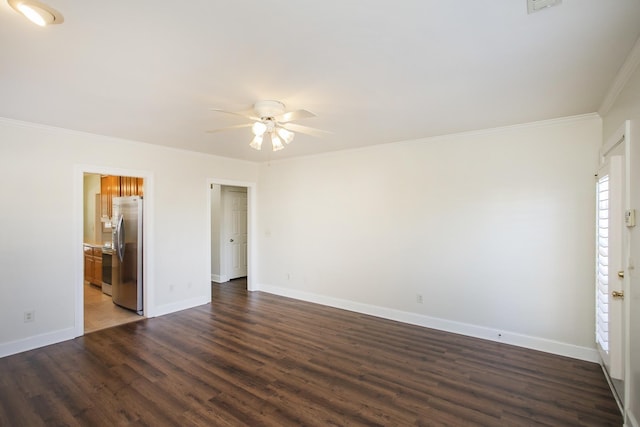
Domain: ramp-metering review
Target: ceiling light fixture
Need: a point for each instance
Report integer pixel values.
(271, 118)
(278, 134)
(276, 143)
(259, 128)
(36, 12)
(286, 135)
(256, 143)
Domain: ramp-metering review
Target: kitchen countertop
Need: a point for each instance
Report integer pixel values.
(105, 249)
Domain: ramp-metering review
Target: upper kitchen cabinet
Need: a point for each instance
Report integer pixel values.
(109, 188)
(118, 186)
(131, 186)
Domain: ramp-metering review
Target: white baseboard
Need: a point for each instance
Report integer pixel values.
(633, 421)
(30, 343)
(534, 343)
(219, 278)
(180, 305)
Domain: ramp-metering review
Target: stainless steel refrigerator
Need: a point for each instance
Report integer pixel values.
(126, 277)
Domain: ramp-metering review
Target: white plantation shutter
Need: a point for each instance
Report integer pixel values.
(602, 265)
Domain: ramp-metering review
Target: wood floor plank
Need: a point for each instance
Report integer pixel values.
(261, 360)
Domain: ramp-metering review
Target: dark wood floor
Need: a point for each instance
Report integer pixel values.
(260, 359)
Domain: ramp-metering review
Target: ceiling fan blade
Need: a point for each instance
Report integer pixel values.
(294, 115)
(250, 114)
(246, 125)
(305, 129)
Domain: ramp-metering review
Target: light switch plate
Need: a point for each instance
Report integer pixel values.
(630, 218)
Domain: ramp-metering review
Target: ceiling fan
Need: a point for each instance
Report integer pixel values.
(271, 118)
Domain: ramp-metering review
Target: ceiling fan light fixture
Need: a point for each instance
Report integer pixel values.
(36, 12)
(259, 128)
(276, 142)
(256, 143)
(286, 135)
(269, 118)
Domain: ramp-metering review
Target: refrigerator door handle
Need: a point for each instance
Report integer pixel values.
(120, 238)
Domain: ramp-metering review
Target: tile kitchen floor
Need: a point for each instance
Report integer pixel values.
(100, 312)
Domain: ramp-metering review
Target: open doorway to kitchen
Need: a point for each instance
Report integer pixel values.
(231, 205)
(102, 199)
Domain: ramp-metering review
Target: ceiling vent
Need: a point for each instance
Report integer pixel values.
(538, 5)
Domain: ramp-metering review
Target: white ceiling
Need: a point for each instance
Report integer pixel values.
(373, 71)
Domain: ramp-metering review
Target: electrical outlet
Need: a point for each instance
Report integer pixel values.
(29, 316)
(419, 298)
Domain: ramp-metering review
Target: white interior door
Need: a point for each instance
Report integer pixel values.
(610, 258)
(235, 218)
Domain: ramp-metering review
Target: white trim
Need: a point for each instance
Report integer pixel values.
(633, 422)
(445, 137)
(520, 340)
(78, 240)
(616, 397)
(610, 146)
(622, 78)
(539, 123)
(613, 141)
(629, 166)
(252, 243)
(621, 137)
(36, 341)
(32, 125)
(181, 305)
(219, 278)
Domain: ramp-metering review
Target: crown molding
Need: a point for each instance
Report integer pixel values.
(624, 74)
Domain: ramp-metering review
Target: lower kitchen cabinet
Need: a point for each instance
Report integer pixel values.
(93, 265)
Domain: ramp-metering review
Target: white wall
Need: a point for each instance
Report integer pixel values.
(627, 107)
(39, 254)
(494, 229)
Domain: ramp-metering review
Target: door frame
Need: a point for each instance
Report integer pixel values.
(613, 167)
(226, 192)
(622, 137)
(251, 224)
(78, 237)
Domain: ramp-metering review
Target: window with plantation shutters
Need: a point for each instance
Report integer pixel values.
(602, 265)
(614, 262)
(609, 264)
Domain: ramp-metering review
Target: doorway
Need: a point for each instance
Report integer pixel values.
(614, 222)
(95, 308)
(229, 232)
(232, 221)
(609, 271)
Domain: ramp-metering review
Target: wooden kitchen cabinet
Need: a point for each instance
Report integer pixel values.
(97, 266)
(89, 264)
(118, 186)
(131, 186)
(109, 188)
(93, 265)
